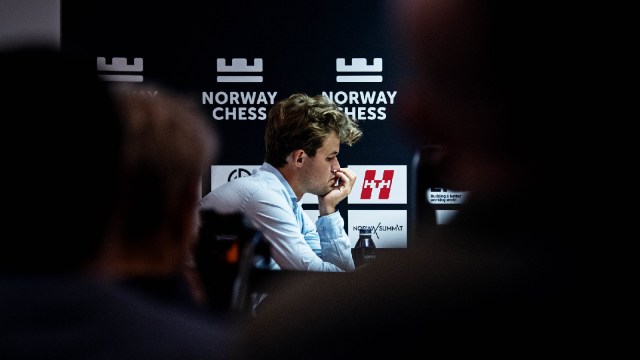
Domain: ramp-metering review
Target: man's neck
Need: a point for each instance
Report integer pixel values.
(292, 178)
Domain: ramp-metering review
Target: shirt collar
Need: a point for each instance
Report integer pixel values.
(270, 168)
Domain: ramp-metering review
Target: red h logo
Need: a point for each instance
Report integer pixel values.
(370, 183)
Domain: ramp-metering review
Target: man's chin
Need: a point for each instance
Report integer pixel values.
(324, 192)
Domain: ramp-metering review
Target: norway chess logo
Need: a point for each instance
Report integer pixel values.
(383, 185)
(241, 67)
(120, 69)
(379, 184)
(358, 65)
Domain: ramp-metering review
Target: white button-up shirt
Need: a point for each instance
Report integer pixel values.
(267, 200)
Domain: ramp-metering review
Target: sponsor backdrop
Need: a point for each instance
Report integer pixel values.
(237, 58)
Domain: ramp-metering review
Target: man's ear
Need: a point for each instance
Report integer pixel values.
(298, 157)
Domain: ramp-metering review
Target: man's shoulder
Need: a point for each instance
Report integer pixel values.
(261, 186)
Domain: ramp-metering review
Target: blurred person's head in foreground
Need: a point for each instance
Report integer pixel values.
(484, 84)
(169, 145)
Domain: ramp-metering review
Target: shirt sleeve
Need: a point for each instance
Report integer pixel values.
(334, 241)
(271, 214)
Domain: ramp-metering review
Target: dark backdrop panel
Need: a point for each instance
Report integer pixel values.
(297, 42)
